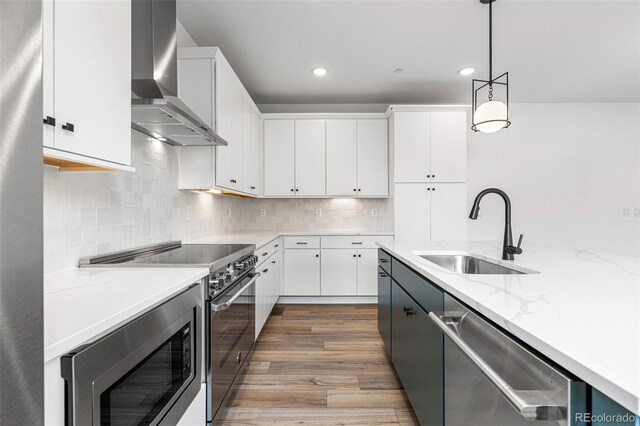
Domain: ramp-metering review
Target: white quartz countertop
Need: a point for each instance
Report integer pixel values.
(82, 304)
(582, 310)
(260, 238)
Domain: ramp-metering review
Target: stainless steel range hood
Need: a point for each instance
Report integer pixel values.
(156, 109)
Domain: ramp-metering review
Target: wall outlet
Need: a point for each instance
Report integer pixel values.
(263, 212)
(626, 212)
(229, 212)
(318, 212)
(374, 212)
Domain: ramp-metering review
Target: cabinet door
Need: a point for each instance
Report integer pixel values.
(229, 172)
(48, 107)
(418, 356)
(310, 157)
(341, 157)
(449, 146)
(339, 272)
(278, 158)
(449, 214)
(275, 266)
(261, 290)
(196, 88)
(373, 164)
(247, 145)
(411, 135)
(302, 272)
(412, 212)
(367, 272)
(92, 78)
(255, 154)
(384, 308)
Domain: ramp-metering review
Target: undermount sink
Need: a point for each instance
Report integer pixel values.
(469, 264)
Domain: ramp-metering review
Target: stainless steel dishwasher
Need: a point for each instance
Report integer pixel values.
(491, 380)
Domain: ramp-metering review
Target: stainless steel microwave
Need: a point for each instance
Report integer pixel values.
(146, 372)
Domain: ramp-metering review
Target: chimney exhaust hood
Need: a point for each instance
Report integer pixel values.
(156, 109)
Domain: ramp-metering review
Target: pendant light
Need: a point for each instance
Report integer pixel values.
(491, 115)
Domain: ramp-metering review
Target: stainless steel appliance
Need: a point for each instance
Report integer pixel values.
(145, 373)
(156, 109)
(21, 266)
(492, 380)
(229, 303)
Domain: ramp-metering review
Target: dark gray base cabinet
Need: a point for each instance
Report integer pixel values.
(418, 356)
(384, 308)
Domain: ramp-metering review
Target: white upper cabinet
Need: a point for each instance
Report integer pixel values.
(309, 158)
(449, 212)
(334, 157)
(209, 86)
(449, 146)
(412, 218)
(342, 176)
(87, 81)
(411, 135)
(279, 158)
(373, 163)
(430, 146)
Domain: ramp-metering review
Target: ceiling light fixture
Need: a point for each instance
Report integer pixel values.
(492, 115)
(467, 71)
(319, 71)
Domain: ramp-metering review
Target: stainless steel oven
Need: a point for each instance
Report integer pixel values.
(147, 372)
(231, 319)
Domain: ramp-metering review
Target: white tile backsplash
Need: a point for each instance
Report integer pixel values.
(86, 214)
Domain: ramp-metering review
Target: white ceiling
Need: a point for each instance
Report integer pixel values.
(555, 51)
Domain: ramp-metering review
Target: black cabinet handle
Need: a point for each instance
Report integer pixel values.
(428, 189)
(68, 127)
(354, 255)
(384, 260)
(276, 246)
(407, 311)
(291, 189)
(264, 271)
(383, 275)
(50, 121)
(433, 189)
(317, 255)
(296, 189)
(359, 255)
(252, 187)
(301, 244)
(359, 189)
(233, 181)
(265, 253)
(357, 243)
(273, 261)
(354, 189)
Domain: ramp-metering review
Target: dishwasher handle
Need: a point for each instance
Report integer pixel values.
(225, 305)
(530, 404)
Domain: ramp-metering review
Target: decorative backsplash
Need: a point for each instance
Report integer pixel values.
(86, 214)
(337, 214)
(94, 213)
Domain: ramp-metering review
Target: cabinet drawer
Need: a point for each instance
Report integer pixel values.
(426, 294)
(267, 250)
(353, 241)
(384, 260)
(302, 242)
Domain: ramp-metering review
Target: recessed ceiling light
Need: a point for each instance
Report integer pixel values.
(467, 71)
(398, 70)
(319, 71)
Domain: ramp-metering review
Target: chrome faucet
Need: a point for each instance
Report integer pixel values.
(508, 249)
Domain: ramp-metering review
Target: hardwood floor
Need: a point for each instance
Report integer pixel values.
(321, 365)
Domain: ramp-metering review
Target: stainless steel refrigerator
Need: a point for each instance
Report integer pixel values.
(21, 228)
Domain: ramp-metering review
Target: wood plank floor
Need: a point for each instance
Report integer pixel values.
(321, 365)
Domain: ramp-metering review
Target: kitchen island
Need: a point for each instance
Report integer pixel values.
(580, 310)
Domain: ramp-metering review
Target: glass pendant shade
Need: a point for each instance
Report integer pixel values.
(490, 117)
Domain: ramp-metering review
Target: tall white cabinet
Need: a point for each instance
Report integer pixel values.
(208, 84)
(430, 162)
(87, 82)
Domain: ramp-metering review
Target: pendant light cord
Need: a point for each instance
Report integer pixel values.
(490, 44)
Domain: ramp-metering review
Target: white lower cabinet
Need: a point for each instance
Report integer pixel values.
(339, 272)
(196, 414)
(268, 284)
(430, 212)
(302, 272)
(343, 266)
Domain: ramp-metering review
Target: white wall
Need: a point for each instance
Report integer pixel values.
(570, 170)
(184, 39)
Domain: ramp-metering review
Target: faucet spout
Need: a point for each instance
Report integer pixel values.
(508, 249)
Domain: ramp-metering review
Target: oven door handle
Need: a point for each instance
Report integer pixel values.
(224, 306)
